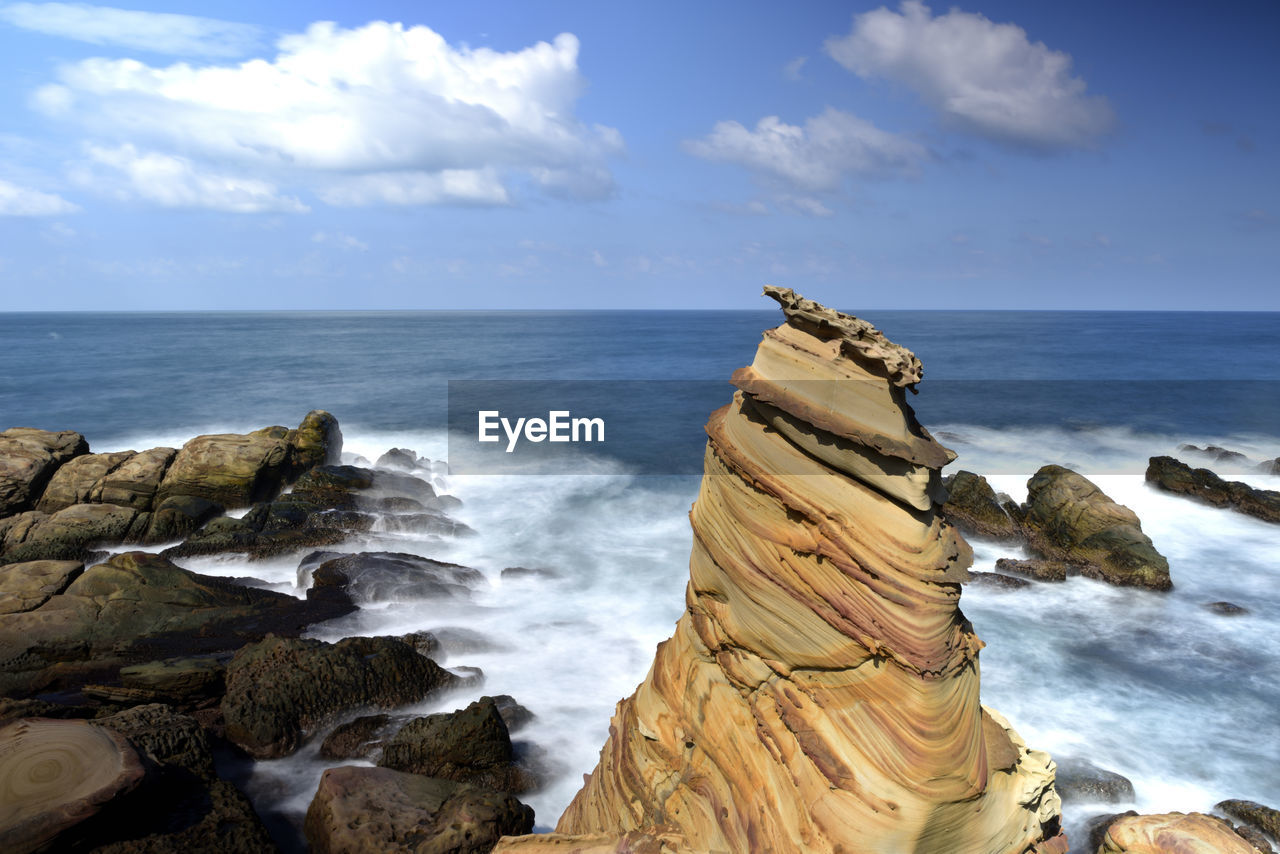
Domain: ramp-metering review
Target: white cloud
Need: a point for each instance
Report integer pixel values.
(598, 259)
(792, 70)
(22, 201)
(377, 114)
(340, 240)
(158, 32)
(984, 77)
(175, 182)
(448, 186)
(806, 205)
(815, 157)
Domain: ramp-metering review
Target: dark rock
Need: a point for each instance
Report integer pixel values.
(398, 458)
(1041, 570)
(75, 481)
(1067, 518)
(57, 775)
(180, 516)
(1255, 837)
(997, 580)
(135, 608)
(69, 534)
(471, 745)
(1256, 815)
(1269, 466)
(280, 690)
(384, 576)
(356, 739)
(444, 503)
(1175, 476)
(28, 460)
(426, 643)
(973, 507)
(427, 523)
(393, 504)
(1227, 609)
(1217, 455)
(391, 483)
(381, 810)
(26, 586)
(451, 640)
(1081, 780)
(180, 681)
(513, 572)
(514, 715)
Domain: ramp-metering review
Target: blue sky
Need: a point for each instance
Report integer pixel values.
(639, 155)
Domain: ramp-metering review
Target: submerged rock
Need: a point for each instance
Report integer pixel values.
(1227, 609)
(398, 458)
(388, 576)
(382, 810)
(820, 692)
(471, 745)
(1175, 476)
(1069, 519)
(356, 739)
(282, 689)
(997, 580)
(1041, 570)
(1081, 780)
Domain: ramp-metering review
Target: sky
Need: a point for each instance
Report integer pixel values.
(516, 155)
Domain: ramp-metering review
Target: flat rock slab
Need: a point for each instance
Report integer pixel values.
(24, 586)
(55, 774)
(381, 810)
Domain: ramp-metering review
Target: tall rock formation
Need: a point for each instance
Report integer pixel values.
(820, 693)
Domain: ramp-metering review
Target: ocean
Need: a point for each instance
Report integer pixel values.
(1181, 700)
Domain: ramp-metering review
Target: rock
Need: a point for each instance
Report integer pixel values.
(398, 458)
(75, 481)
(1233, 460)
(28, 460)
(1041, 570)
(1254, 814)
(57, 774)
(1227, 609)
(231, 469)
(381, 810)
(1081, 780)
(997, 581)
(1255, 837)
(514, 715)
(25, 586)
(427, 523)
(1097, 828)
(394, 576)
(1269, 466)
(179, 516)
(181, 805)
(356, 739)
(821, 689)
(317, 441)
(1175, 476)
(1172, 833)
(514, 572)
(180, 681)
(135, 481)
(135, 608)
(281, 689)
(71, 533)
(1067, 518)
(973, 507)
(471, 745)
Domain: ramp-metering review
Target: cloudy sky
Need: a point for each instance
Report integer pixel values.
(655, 155)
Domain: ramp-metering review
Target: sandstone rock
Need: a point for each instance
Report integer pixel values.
(24, 586)
(381, 810)
(1172, 833)
(973, 507)
(139, 607)
(1041, 570)
(281, 689)
(1069, 519)
(135, 481)
(317, 441)
(57, 774)
(231, 469)
(471, 745)
(1080, 780)
(1175, 476)
(74, 482)
(356, 739)
(28, 459)
(71, 533)
(393, 576)
(820, 692)
(1262, 817)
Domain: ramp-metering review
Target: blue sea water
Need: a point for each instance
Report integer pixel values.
(1157, 687)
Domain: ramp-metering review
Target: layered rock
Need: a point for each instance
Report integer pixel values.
(820, 693)
(1176, 476)
(1172, 833)
(28, 460)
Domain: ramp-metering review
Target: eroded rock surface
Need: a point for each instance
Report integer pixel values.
(820, 693)
(1176, 476)
(28, 460)
(1172, 833)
